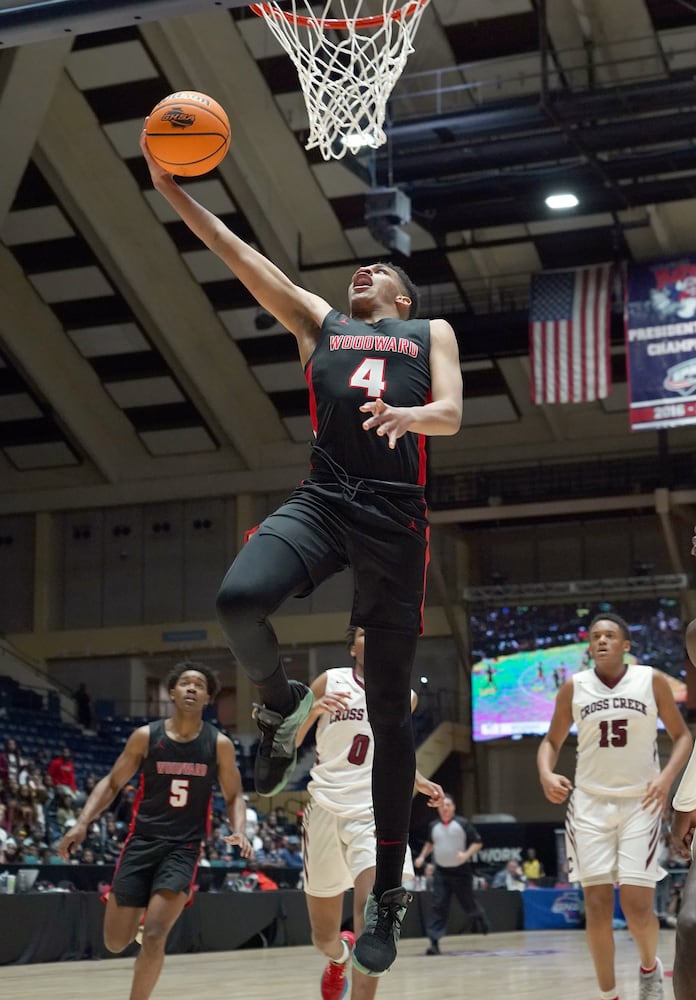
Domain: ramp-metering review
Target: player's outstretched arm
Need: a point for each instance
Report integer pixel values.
(300, 311)
(106, 789)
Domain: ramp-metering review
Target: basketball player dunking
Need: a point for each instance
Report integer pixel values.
(614, 814)
(339, 824)
(180, 759)
(380, 382)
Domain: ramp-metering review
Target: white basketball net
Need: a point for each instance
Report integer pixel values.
(346, 72)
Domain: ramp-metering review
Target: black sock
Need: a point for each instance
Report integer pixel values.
(275, 692)
(391, 850)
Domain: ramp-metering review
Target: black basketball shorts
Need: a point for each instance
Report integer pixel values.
(147, 865)
(379, 530)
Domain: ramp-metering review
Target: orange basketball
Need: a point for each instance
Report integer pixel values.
(188, 133)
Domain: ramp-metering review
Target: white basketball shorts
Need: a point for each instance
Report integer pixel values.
(611, 840)
(337, 849)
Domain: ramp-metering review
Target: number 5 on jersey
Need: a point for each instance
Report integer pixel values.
(179, 792)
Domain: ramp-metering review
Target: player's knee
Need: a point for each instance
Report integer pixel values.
(154, 936)
(323, 942)
(236, 604)
(115, 941)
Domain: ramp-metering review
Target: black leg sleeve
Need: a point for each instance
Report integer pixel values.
(388, 663)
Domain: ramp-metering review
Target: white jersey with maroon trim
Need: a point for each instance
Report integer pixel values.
(617, 732)
(341, 779)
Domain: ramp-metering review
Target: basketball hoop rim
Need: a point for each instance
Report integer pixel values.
(333, 23)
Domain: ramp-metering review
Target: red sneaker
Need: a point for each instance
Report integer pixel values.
(334, 983)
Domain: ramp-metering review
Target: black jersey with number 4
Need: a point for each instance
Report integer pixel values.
(356, 362)
(176, 786)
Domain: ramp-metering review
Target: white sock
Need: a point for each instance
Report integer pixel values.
(345, 956)
(608, 994)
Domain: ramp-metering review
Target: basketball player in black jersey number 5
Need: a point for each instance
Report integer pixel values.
(180, 759)
(380, 382)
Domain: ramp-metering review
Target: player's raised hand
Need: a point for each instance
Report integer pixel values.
(157, 173)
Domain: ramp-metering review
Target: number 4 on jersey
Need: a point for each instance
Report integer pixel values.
(369, 375)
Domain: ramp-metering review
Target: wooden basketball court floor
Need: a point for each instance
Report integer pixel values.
(531, 965)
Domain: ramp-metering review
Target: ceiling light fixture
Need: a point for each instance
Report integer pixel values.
(355, 141)
(562, 200)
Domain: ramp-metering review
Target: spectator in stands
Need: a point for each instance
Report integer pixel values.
(32, 778)
(65, 812)
(290, 854)
(83, 703)
(12, 852)
(10, 762)
(25, 823)
(252, 827)
(30, 852)
(124, 809)
(268, 853)
(510, 877)
(281, 819)
(11, 806)
(532, 867)
(87, 786)
(61, 771)
(26, 796)
(112, 839)
(4, 834)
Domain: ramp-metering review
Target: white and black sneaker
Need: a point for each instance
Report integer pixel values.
(277, 755)
(375, 949)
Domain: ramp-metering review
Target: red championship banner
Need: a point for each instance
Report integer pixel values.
(660, 326)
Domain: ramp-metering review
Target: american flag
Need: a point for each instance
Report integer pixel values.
(569, 335)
